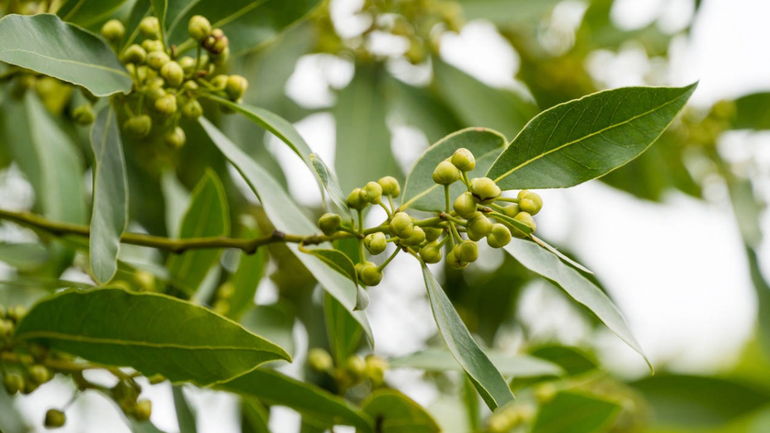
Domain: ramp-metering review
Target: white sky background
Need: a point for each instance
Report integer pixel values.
(677, 270)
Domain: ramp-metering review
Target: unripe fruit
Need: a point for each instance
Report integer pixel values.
(134, 54)
(372, 192)
(236, 87)
(527, 220)
(199, 28)
(355, 200)
(478, 227)
(219, 82)
(417, 237)
(431, 253)
(463, 159)
(432, 233)
(16, 313)
(13, 383)
(29, 387)
(175, 138)
(401, 225)
(511, 210)
(55, 418)
(113, 30)
(499, 236)
(143, 410)
(172, 73)
(192, 109)
(190, 85)
(39, 374)
(466, 251)
(390, 186)
(151, 45)
(453, 262)
(484, 190)
(155, 93)
(319, 360)
(157, 59)
(329, 223)
(188, 64)
(375, 369)
(446, 173)
(150, 27)
(465, 205)
(356, 366)
(530, 202)
(6, 328)
(138, 126)
(370, 274)
(376, 243)
(166, 105)
(83, 114)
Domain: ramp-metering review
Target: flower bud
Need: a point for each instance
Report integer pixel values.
(370, 274)
(485, 190)
(175, 138)
(453, 262)
(356, 366)
(478, 227)
(390, 186)
(329, 223)
(463, 159)
(155, 93)
(13, 383)
(134, 54)
(39, 374)
(527, 220)
(465, 205)
(113, 30)
(236, 87)
(55, 418)
(83, 114)
(16, 313)
(375, 369)
(319, 360)
(511, 210)
(376, 243)
(401, 225)
(151, 45)
(188, 64)
(219, 82)
(499, 423)
(172, 73)
(166, 105)
(432, 233)
(372, 192)
(6, 329)
(199, 28)
(467, 251)
(216, 42)
(417, 237)
(499, 236)
(446, 173)
(221, 58)
(431, 253)
(190, 86)
(192, 109)
(355, 200)
(143, 410)
(530, 202)
(150, 27)
(157, 59)
(138, 126)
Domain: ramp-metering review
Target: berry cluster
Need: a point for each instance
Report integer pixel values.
(354, 370)
(458, 228)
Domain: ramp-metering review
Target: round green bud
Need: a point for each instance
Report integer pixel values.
(155, 93)
(113, 30)
(319, 360)
(478, 227)
(221, 58)
(190, 85)
(375, 369)
(446, 173)
(83, 114)
(134, 54)
(370, 274)
(149, 27)
(55, 418)
(29, 387)
(188, 64)
(372, 192)
(219, 82)
(199, 27)
(172, 73)
(401, 225)
(530, 202)
(499, 236)
(39, 374)
(484, 190)
(329, 223)
(390, 186)
(546, 392)
(236, 87)
(175, 138)
(511, 210)
(432, 233)
(499, 423)
(376, 243)
(13, 383)
(465, 205)
(467, 251)
(463, 159)
(431, 253)
(16, 313)
(356, 200)
(157, 59)
(192, 109)
(527, 220)
(453, 262)
(356, 366)
(166, 105)
(6, 328)
(417, 237)
(216, 42)
(143, 410)
(138, 126)
(151, 45)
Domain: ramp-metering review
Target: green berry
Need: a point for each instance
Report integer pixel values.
(150, 27)
(55, 418)
(39, 374)
(236, 87)
(6, 328)
(511, 210)
(376, 243)
(465, 205)
(478, 227)
(431, 253)
(417, 237)
(166, 105)
(390, 186)
(319, 360)
(484, 190)
(199, 28)
(356, 200)
(172, 73)
(372, 192)
(134, 54)
(157, 59)
(138, 126)
(113, 30)
(527, 220)
(83, 114)
(467, 251)
(499, 236)
(432, 233)
(463, 159)
(151, 45)
(446, 173)
(370, 274)
(329, 223)
(375, 369)
(143, 410)
(175, 138)
(530, 202)
(401, 225)
(13, 383)
(453, 262)
(192, 109)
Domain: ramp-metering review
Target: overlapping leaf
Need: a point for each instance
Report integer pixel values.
(86, 13)
(396, 413)
(573, 412)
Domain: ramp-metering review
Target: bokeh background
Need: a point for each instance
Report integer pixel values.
(674, 237)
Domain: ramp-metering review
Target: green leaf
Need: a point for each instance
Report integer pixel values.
(274, 322)
(511, 221)
(509, 365)
(336, 260)
(45, 44)
(343, 330)
(110, 196)
(572, 412)
(23, 256)
(141, 9)
(251, 268)
(314, 403)
(285, 131)
(420, 192)
(550, 267)
(484, 375)
(394, 412)
(86, 13)
(561, 255)
(573, 360)
(153, 333)
(752, 111)
(583, 139)
(507, 13)
(184, 413)
(207, 215)
(177, 199)
(287, 217)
